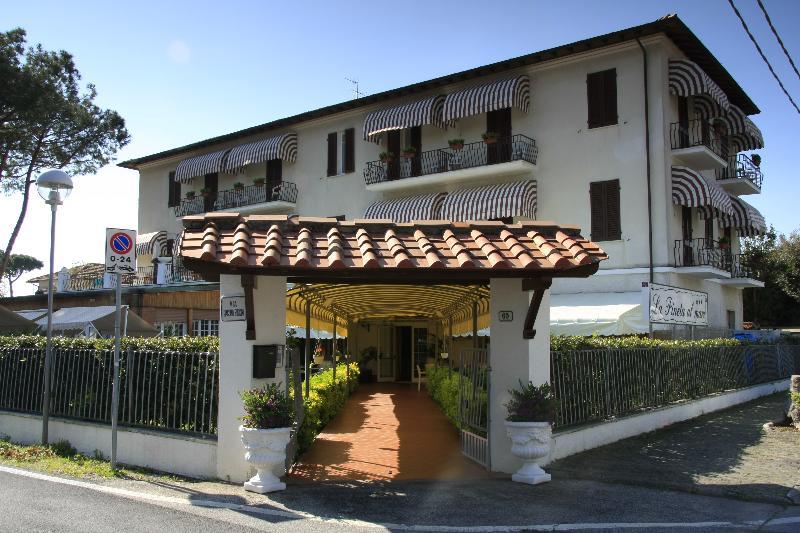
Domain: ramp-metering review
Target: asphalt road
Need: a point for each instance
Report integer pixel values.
(38, 505)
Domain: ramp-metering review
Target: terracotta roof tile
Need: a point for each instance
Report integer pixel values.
(292, 244)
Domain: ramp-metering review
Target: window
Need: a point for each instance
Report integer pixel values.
(604, 203)
(601, 92)
(205, 328)
(171, 329)
(274, 174)
(174, 195)
(341, 152)
(731, 319)
(709, 230)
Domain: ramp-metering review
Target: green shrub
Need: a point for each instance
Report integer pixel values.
(561, 343)
(158, 344)
(63, 448)
(531, 403)
(324, 401)
(266, 408)
(442, 384)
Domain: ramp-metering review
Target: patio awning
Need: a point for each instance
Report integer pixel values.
(307, 249)
(745, 218)
(608, 313)
(280, 147)
(15, 323)
(201, 165)
(686, 78)
(407, 209)
(691, 189)
(743, 133)
(154, 243)
(512, 92)
(419, 113)
(500, 200)
(74, 321)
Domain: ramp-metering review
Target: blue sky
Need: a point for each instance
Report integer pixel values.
(179, 72)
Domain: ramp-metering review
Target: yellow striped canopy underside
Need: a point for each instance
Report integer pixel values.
(360, 302)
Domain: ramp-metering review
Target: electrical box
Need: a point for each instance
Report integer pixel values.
(266, 358)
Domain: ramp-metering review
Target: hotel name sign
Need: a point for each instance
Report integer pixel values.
(673, 305)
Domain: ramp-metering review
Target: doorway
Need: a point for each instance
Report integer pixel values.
(404, 352)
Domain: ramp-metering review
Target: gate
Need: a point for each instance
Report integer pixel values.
(473, 404)
(295, 375)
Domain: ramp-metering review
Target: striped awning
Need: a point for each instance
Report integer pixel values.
(279, 147)
(419, 113)
(686, 78)
(500, 200)
(743, 133)
(154, 243)
(200, 165)
(745, 218)
(408, 209)
(512, 92)
(691, 189)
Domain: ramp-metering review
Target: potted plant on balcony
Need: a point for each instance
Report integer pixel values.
(259, 182)
(489, 137)
(409, 152)
(265, 430)
(206, 192)
(386, 157)
(238, 186)
(724, 242)
(756, 159)
(531, 411)
(190, 195)
(456, 144)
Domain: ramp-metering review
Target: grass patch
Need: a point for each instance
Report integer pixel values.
(62, 458)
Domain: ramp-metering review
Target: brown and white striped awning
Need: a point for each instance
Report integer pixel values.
(500, 200)
(691, 189)
(407, 209)
(200, 165)
(154, 244)
(419, 113)
(512, 92)
(280, 147)
(686, 78)
(743, 133)
(745, 218)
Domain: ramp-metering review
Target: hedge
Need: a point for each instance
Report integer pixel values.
(443, 386)
(563, 343)
(324, 401)
(153, 344)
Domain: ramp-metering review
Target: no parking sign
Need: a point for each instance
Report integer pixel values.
(120, 251)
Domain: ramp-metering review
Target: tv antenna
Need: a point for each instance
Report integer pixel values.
(356, 92)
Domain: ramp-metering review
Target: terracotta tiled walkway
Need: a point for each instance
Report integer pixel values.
(387, 431)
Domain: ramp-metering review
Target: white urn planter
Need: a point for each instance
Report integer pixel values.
(530, 441)
(265, 449)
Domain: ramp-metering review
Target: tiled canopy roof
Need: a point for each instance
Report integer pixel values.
(326, 249)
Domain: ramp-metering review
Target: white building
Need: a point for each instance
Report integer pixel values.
(639, 137)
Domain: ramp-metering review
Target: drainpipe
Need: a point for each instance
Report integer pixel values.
(647, 160)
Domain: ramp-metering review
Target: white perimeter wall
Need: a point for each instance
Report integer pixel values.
(188, 456)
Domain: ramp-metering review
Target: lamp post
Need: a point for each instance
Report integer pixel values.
(54, 186)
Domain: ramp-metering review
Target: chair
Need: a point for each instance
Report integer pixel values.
(420, 374)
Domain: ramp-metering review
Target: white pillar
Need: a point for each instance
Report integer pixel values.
(236, 365)
(513, 358)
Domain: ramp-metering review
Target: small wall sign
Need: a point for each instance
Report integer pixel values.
(674, 305)
(232, 309)
(505, 316)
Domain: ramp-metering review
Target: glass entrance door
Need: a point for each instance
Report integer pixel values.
(386, 354)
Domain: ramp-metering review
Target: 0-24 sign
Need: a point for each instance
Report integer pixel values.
(120, 251)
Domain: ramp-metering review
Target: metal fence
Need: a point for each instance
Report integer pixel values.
(597, 385)
(171, 391)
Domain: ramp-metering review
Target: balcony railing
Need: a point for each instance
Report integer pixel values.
(175, 273)
(475, 154)
(739, 268)
(741, 167)
(694, 133)
(284, 191)
(704, 252)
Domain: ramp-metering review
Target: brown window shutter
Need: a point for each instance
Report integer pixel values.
(332, 159)
(610, 96)
(174, 194)
(597, 203)
(601, 96)
(350, 150)
(594, 88)
(613, 218)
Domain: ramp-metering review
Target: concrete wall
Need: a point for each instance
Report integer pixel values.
(178, 454)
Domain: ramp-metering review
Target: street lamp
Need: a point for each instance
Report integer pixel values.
(54, 186)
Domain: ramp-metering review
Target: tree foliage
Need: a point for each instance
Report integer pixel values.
(775, 260)
(48, 120)
(18, 265)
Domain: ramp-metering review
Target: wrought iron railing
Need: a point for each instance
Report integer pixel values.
(476, 154)
(739, 268)
(597, 385)
(741, 167)
(700, 252)
(174, 273)
(171, 391)
(284, 191)
(694, 133)
(191, 206)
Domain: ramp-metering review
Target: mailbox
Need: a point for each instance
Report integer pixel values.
(266, 358)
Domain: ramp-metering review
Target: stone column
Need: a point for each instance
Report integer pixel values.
(236, 364)
(513, 358)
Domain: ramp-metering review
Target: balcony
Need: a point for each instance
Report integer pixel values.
(696, 145)
(254, 198)
(742, 276)
(706, 259)
(172, 274)
(508, 157)
(741, 176)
